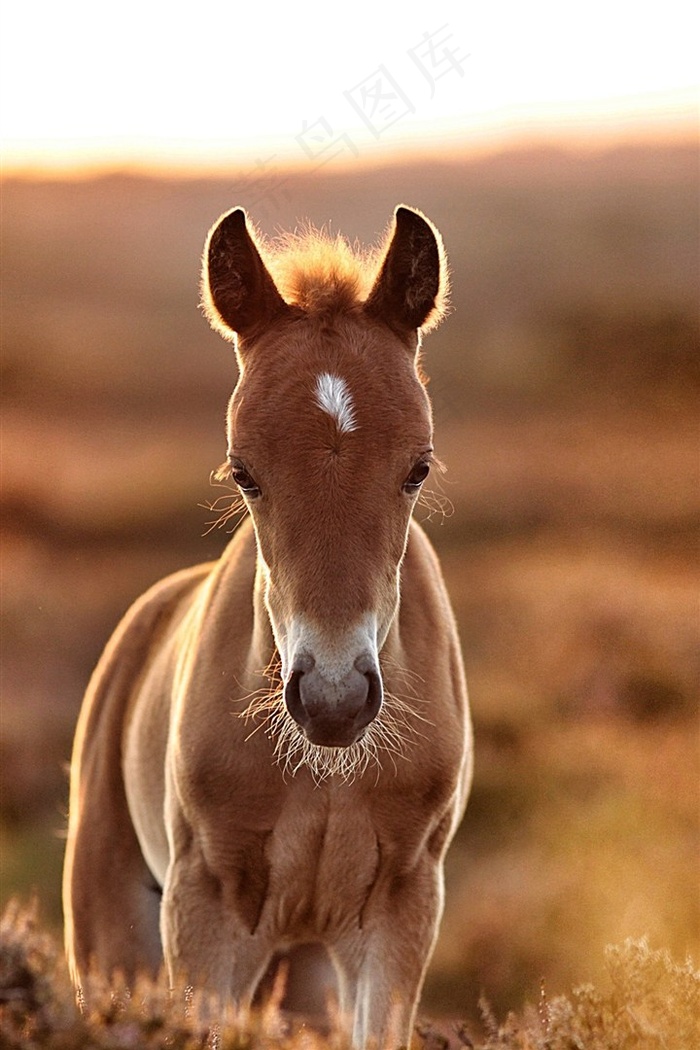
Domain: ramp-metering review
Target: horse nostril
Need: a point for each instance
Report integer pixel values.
(303, 664)
(375, 695)
(292, 696)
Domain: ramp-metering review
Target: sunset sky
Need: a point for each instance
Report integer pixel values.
(215, 83)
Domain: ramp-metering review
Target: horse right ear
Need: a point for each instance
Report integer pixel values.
(238, 294)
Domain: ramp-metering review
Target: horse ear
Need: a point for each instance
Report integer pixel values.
(411, 288)
(238, 293)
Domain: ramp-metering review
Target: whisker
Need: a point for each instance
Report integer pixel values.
(436, 504)
(386, 738)
(406, 706)
(252, 699)
(228, 506)
(262, 703)
(434, 500)
(262, 721)
(397, 668)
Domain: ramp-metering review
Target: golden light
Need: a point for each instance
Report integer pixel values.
(215, 84)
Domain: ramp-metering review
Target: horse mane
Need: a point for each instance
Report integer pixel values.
(319, 272)
(325, 274)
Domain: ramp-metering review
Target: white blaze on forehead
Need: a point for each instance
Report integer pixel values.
(333, 396)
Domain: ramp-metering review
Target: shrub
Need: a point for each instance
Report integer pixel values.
(653, 1003)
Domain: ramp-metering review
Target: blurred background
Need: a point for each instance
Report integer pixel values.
(556, 151)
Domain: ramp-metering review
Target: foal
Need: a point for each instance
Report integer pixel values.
(218, 821)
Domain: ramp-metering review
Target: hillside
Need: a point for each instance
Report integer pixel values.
(565, 388)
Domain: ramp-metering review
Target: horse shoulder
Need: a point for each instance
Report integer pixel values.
(122, 664)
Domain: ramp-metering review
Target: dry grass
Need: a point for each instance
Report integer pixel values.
(650, 1003)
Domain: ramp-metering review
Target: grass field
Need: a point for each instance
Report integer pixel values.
(565, 389)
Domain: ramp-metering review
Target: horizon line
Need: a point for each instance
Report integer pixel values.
(191, 158)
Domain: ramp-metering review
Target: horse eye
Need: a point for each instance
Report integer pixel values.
(417, 476)
(244, 480)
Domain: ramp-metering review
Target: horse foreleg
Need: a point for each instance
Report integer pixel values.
(205, 943)
(383, 970)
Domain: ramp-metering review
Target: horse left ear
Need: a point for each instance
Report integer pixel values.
(410, 291)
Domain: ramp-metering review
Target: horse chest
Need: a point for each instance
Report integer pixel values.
(323, 862)
(301, 865)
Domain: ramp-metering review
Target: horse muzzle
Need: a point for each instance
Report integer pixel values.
(333, 710)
